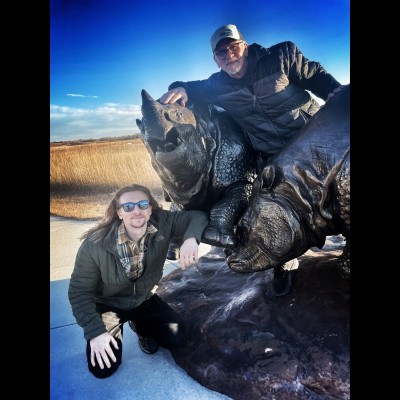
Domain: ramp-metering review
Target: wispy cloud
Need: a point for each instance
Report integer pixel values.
(81, 95)
(107, 120)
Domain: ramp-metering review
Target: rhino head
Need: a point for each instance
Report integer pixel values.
(177, 147)
(270, 232)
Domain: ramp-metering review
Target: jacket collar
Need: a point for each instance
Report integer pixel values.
(257, 51)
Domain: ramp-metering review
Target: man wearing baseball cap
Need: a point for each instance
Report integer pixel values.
(265, 90)
(227, 31)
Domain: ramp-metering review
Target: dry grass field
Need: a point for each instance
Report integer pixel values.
(84, 175)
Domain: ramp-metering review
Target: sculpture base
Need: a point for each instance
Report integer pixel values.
(250, 345)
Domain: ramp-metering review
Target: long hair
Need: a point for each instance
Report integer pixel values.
(107, 223)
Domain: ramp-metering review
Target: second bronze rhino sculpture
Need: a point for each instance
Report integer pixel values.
(203, 161)
(301, 196)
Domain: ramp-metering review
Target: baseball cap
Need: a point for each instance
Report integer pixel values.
(226, 31)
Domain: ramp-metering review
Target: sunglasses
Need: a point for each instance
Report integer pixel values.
(130, 206)
(233, 48)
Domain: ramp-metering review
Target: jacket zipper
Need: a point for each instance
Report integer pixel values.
(251, 90)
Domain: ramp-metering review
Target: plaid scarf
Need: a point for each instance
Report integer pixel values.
(131, 253)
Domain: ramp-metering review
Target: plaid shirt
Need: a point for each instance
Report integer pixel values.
(131, 253)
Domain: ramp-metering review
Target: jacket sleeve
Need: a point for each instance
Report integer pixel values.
(309, 75)
(84, 281)
(201, 91)
(189, 224)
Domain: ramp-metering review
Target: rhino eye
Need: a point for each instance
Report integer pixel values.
(175, 116)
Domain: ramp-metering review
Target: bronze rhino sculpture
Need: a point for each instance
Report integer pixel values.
(203, 161)
(301, 196)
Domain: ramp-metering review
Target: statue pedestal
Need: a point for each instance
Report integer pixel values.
(250, 345)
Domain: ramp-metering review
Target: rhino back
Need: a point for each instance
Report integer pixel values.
(324, 140)
(313, 171)
(234, 161)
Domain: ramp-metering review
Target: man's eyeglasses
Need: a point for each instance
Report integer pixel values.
(130, 206)
(233, 48)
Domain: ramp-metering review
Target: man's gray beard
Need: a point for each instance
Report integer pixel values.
(235, 68)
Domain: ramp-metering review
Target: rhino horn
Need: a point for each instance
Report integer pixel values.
(146, 97)
(157, 126)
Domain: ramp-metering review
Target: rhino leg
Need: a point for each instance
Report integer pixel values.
(224, 215)
(344, 262)
(214, 236)
(173, 250)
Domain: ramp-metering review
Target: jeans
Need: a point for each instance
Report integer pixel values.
(153, 318)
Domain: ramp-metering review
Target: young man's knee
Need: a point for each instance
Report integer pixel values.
(105, 372)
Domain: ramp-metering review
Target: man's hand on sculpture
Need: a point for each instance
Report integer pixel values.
(189, 252)
(174, 95)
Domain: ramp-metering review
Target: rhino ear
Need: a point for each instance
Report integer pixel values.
(267, 177)
(139, 123)
(317, 189)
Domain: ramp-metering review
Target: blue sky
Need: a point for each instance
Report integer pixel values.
(104, 52)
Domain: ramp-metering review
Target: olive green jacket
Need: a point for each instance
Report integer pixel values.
(99, 277)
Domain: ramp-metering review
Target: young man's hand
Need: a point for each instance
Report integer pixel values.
(189, 252)
(100, 347)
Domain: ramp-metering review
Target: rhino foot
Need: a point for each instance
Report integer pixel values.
(215, 238)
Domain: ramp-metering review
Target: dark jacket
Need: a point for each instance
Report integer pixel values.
(270, 102)
(98, 275)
